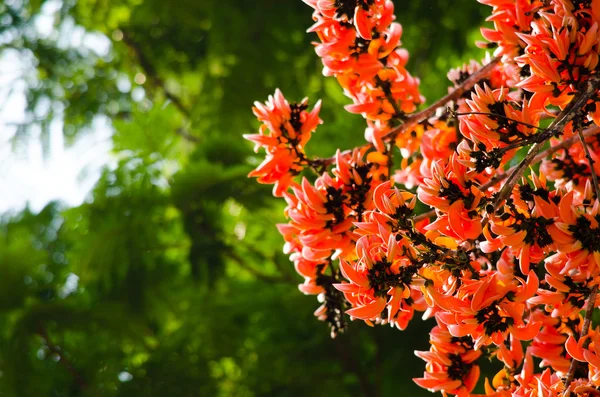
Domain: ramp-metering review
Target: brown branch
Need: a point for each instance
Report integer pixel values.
(159, 83)
(572, 110)
(521, 142)
(589, 310)
(563, 145)
(567, 143)
(591, 163)
(458, 92)
(65, 362)
(424, 114)
(187, 136)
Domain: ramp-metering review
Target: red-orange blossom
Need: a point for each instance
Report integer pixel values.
(508, 276)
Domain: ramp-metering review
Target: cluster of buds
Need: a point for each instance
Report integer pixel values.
(507, 261)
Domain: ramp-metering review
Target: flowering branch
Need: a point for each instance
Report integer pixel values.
(573, 109)
(424, 114)
(64, 361)
(500, 266)
(590, 162)
(458, 92)
(567, 143)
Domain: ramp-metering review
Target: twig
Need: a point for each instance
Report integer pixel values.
(424, 114)
(65, 362)
(591, 162)
(589, 310)
(186, 135)
(502, 117)
(424, 215)
(500, 177)
(572, 110)
(563, 145)
(158, 82)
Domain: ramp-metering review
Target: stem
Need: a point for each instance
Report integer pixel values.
(158, 82)
(589, 310)
(572, 110)
(65, 362)
(543, 155)
(424, 114)
(563, 145)
(502, 117)
(591, 162)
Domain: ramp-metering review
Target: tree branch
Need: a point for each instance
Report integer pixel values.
(424, 114)
(567, 143)
(591, 163)
(159, 83)
(459, 91)
(572, 110)
(563, 145)
(65, 362)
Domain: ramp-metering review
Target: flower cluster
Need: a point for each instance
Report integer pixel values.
(450, 363)
(569, 168)
(551, 46)
(505, 257)
(322, 217)
(360, 47)
(289, 128)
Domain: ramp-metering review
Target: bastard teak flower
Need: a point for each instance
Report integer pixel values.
(480, 212)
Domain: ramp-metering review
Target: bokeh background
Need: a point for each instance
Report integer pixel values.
(136, 258)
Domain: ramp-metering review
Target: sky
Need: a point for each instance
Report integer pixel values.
(27, 177)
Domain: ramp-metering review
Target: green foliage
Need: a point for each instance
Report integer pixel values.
(170, 278)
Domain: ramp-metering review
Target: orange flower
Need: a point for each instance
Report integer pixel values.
(525, 224)
(451, 364)
(506, 280)
(578, 236)
(322, 215)
(498, 119)
(380, 279)
(488, 310)
(321, 229)
(548, 344)
(497, 79)
(457, 199)
(509, 18)
(359, 46)
(569, 169)
(439, 141)
(290, 128)
(587, 350)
